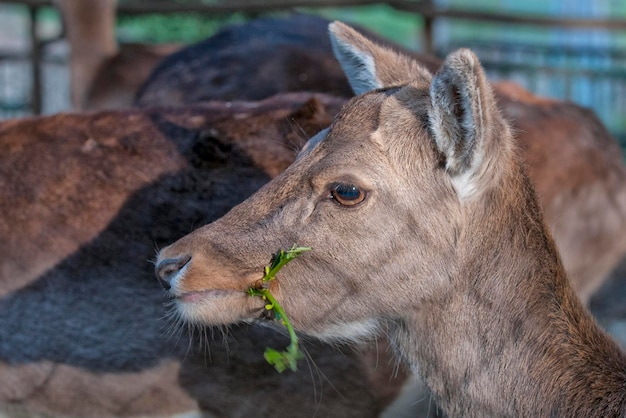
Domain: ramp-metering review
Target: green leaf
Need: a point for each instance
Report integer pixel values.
(281, 360)
(280, 259)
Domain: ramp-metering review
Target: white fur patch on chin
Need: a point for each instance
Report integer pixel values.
(350, 332)
(225, 308)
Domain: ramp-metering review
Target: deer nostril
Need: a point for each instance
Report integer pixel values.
(167, 269)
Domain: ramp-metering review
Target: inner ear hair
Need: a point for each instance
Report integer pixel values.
(369, 65)
(459, 96)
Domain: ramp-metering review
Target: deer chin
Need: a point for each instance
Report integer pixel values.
(217, 306)
(206, 296)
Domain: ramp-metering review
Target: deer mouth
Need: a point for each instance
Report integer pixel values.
(198, 296)
(216, 306)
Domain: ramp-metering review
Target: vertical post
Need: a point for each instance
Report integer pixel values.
(427, 34)
(428, 14)
(90, 31)
(35, 61)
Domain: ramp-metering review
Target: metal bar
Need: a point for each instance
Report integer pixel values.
(423, 8)
(30, 3)
(142, 7)
(426, 10)
(36, 97)
(427, 35)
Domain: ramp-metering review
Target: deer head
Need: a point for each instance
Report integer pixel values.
(381, 197)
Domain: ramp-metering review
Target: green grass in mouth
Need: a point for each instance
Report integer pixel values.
(281, 360)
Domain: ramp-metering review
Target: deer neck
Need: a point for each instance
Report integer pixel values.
(511, 338)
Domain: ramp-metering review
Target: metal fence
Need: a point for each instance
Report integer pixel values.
(17, 98)
(38, 80)
(15, 85)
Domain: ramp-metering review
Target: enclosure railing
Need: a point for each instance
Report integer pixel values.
(422, 8)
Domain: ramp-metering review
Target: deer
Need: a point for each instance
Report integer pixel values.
(423, 225)
(289, 54)
(583, 194)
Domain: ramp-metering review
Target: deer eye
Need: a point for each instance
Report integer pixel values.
(347, 194)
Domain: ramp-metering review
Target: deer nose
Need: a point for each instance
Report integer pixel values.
(166, 270)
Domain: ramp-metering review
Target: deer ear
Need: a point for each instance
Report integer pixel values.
(370, 66)
(462, 118)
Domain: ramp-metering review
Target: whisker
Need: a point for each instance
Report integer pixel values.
(320, 373)
(172, 326)
(291, 147)
(313, 371)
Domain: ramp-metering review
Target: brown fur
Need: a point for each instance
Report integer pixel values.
(119, 77)
(448, 253)
(579, 174)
